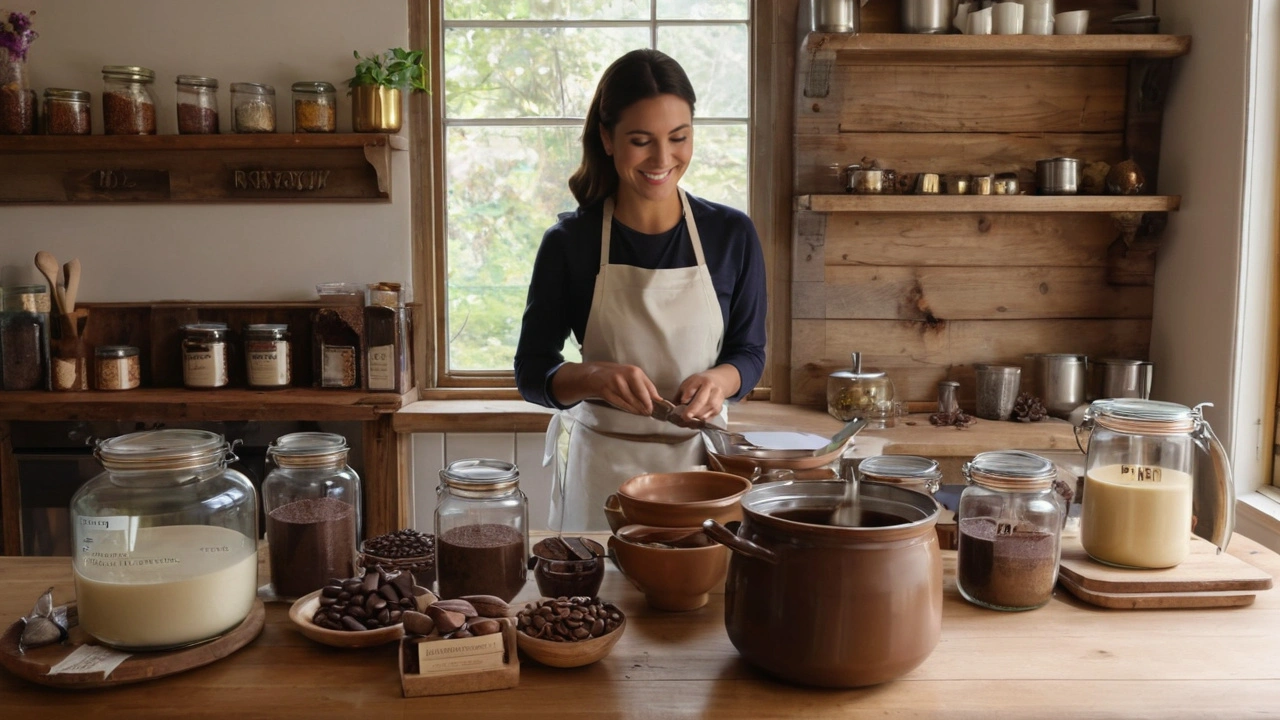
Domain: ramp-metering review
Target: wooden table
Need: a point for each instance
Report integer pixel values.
(1066, 659)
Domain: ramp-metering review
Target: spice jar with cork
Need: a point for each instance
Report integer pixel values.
(253, 107)
(128, 105)
(197, 105)
(482, 536)
(24, 337)
(1011, 516)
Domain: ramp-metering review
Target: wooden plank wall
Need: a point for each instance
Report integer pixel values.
(925, 296)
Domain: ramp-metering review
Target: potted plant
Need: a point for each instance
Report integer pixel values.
(377, 84)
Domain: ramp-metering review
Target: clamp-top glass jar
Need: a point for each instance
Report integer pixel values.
(128, 105)
(311, 499)
(165, 550)
(907, 471)
(1140, 479)
(1011, 520)
(482, 537)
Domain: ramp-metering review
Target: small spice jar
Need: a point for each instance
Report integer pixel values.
(66, 112)
(315, 108)
(254, 107)
(268, 356)
(1010, 531)
(24, 337)
(204, 356)
(128, 105)
(197, 105)
(482, 536)
(116, 367)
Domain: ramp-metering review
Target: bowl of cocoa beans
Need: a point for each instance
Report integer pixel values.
(361, 611)
(568, 632)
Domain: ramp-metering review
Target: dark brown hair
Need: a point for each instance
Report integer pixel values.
(638, 75)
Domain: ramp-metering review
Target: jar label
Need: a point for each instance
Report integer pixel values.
(206, 368)
(1140, 473)
(118, 373)
(382, 367)
(268, 363)
(339, 366)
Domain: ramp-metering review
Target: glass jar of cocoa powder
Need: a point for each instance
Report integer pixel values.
(66, 112)
(312, 503)
(482, 536)
(267, 356)
(315, 107)
(128, 105)
(197, 105)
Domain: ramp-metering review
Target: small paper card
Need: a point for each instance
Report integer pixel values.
(90, 659)
(462, 655)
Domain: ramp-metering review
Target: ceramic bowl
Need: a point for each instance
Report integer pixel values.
(570, 654)
(304, 608)
(682, 499)
(613, 512)
(675, 579)
(805, 465)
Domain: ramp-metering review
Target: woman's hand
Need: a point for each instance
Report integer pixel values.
(625, 387)
(703, 393)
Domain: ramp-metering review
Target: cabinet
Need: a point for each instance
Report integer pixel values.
(926, 285)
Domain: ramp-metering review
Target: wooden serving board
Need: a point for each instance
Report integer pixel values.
(1159, 601)
(34, 665)
(1204, 570)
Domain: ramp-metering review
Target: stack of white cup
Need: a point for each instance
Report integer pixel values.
(1019, 17)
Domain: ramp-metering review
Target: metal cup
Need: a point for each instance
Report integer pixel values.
(834, 16)
(1121, 378)
(997, 390)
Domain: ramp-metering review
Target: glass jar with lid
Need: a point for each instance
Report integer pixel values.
(117, 367)
(204, 356)
(24, 337)
(315, 107)
(165, 551)
(253, 108)
(311, 500)
(66, 112)
(1010, 530)
(128, 104)
(267, 356)
(482, 536)
(861, 394)
(1142, 472)
(907, 471)
(197, 105)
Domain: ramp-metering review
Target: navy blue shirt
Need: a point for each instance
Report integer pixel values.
(564, 280)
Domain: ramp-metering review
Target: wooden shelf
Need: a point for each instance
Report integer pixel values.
(197, 168)
(901, 48)
(178, 404)
(988, 203)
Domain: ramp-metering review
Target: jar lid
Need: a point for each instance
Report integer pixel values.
(23, 290)
(25, 298)
(115, 351)
(253, 89)
(208, 329)
(197, 81)
(1119, 361)
(66, 94)
(167, 449)
(384, 294)
(136, 73)
(313, 87)
(1010, 470)
(480, 474)
(899, 467)
(1133, 415)
(858, 372)
(266, 328)
(308, 449)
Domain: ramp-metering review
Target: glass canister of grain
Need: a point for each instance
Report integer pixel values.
(66, 112)
(268, 356)
(24, 337)
(165, 551)
(128, 105)
(253, 107)
(204, 356)
(386, 329)
(337, 327)
(197, 105)
(482, 535)
(1010, 531)
(311, 499)
(116, 367)
(315, 107)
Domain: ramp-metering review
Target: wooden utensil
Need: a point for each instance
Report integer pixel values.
(48, 266)
(72, 269)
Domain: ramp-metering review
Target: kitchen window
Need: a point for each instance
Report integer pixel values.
(517, 79)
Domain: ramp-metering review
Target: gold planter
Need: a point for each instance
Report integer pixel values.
(375, 109)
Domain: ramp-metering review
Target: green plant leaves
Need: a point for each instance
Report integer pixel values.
(396, 68)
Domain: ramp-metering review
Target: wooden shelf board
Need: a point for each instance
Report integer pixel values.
(899, 48)
(257, 141)
(180, 404)
(433, 416)
(988, 203)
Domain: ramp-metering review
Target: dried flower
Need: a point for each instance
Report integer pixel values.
(16, 34)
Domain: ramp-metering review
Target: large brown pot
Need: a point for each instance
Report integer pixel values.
(833, 606)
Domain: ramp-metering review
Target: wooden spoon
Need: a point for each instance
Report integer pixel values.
(72, 269)
(48, 266)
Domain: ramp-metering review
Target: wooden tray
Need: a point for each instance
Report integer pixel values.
(1159, 601)
(34, 665)
(1204, 570)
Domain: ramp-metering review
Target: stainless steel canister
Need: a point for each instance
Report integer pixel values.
(1058, 176)
(997, 390)
(927, 16)
(841, 16)
(1122, 378)
(1059, 380)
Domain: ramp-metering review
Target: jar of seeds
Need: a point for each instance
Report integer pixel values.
(116, 367)
(254, 107)
(197, 105)
(66, 112)
(315, 109)
(128, 105)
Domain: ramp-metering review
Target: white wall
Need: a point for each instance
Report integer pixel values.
(272, 251)
(432, 451)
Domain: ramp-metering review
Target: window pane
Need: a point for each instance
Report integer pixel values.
(506, 186)
(702, 10)
(548, 9)
(719, 171)
(715, 58)
(509, 73)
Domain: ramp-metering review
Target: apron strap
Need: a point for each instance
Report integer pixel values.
(694, 237)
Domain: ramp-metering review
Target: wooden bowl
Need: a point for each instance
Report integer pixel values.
(673, 579)
(570, 654)
(682, 499)
(304, 608)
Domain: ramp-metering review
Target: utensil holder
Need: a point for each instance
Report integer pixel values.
(70, 353)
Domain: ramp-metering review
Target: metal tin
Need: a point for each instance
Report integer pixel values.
(1058, 176)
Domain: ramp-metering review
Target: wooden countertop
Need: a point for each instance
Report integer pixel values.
(1064, 660)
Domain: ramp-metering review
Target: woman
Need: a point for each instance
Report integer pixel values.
(664, 292)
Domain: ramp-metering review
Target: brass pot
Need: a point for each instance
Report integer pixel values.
(375, 108)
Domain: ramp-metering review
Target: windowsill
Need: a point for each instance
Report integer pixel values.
(1258, 516)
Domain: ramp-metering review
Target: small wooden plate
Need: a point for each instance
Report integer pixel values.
(34, 665)
(1160, 600)
(305, 608)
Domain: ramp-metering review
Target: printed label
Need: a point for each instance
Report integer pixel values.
(339, 367)
(268, 363)
(206, 368)
(382, 367)
(463, 655)
(1140, 473)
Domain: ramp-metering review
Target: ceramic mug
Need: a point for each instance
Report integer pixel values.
(961, 21)
(979, 22)
(1006, 18)
(1075, 22)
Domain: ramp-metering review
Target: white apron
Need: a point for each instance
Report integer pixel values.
(667, 323)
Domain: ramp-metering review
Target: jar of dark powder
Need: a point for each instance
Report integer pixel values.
(197, 105)
(482, 536)
(1010, 530)
(24, 337)
(312, 502)
(128, 105)
(268, 360)
(205, 356)
(66, 112)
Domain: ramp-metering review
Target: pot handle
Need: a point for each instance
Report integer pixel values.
(721, 534)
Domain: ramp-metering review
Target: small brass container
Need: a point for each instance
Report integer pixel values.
(375, 108)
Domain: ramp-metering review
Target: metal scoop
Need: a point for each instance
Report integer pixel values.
(848, 512)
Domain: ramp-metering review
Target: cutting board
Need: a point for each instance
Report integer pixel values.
(1204, 570)
(1160, 601)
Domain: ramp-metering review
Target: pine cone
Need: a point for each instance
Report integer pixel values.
(1028, 408)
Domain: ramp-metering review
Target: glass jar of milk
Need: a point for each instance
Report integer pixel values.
(1140, 479)
(165, 550)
